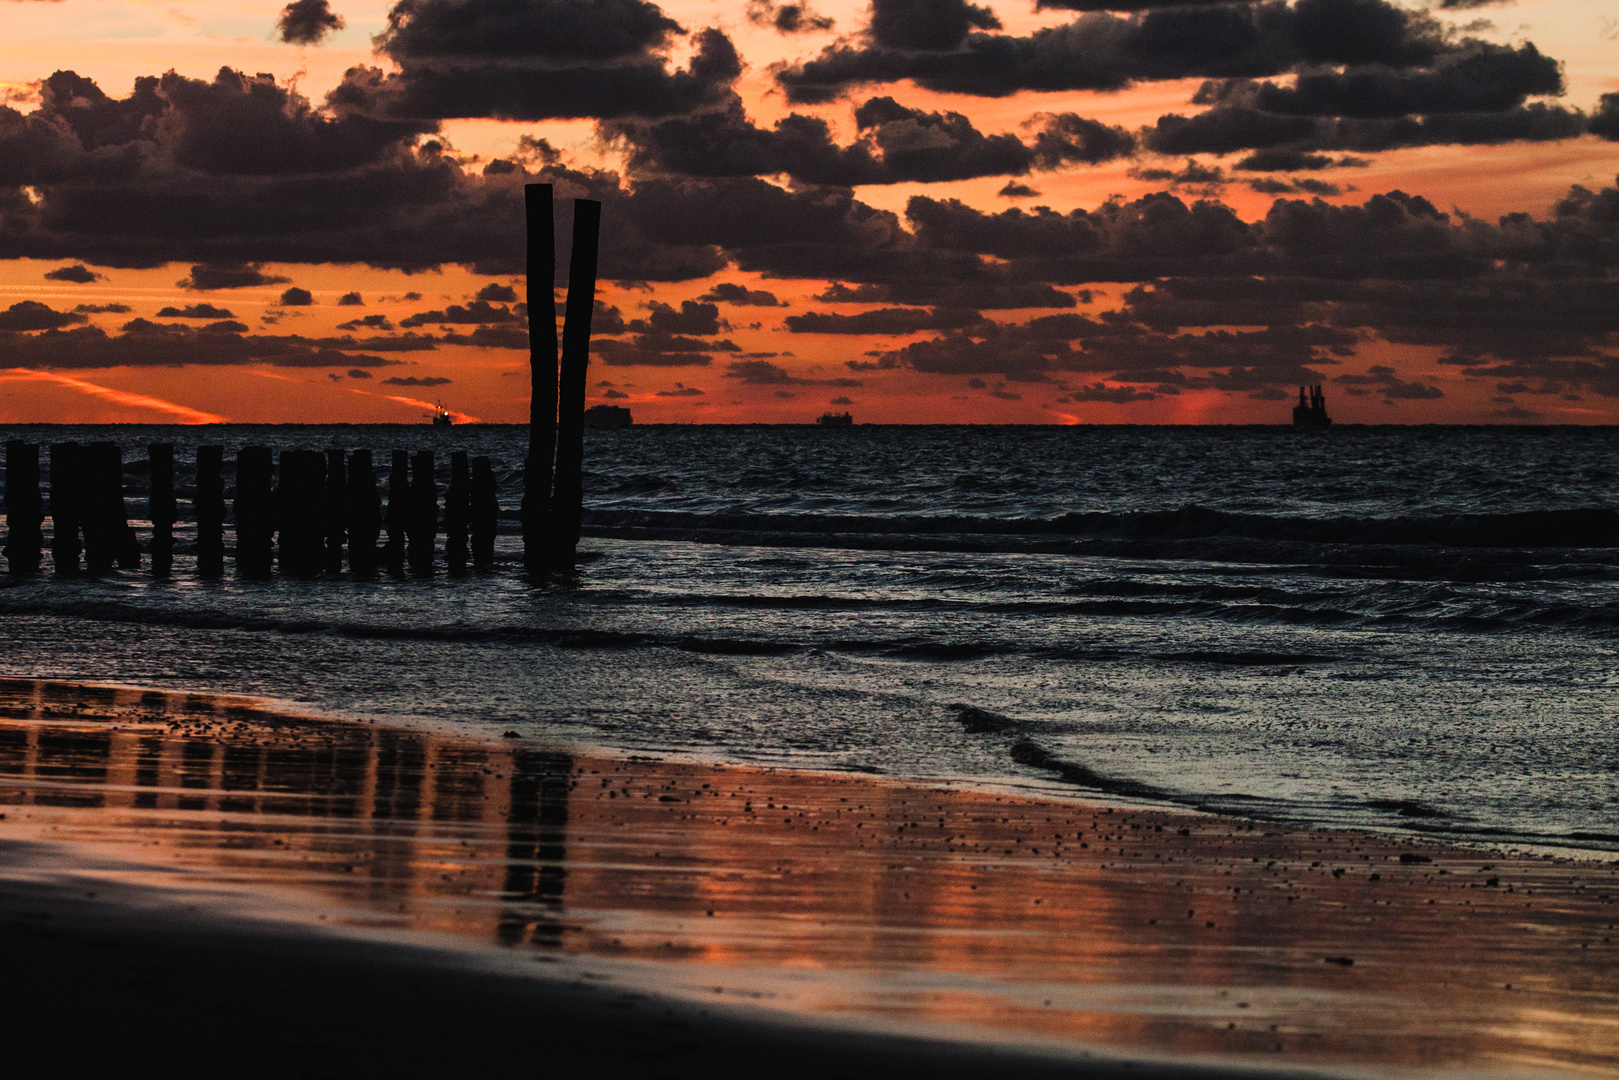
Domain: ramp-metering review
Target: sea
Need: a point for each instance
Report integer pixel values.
(1396, 628)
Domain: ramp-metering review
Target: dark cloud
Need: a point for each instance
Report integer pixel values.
(1605, 120)
(797, 18)
(1065, 138)
(359, 373)
(882, 321)
(896, 144)
(415, 380)
(76, 274)
(764, 373)
(1384, 380)
(195, 311)
(350, 299)
(477, 313)
(497, 293)
(306, 22)
(693, 317)
(207, 277)
(369, 322)
(1016, 190)
(143, 343)
(33, 315)
(841, 400)
(103, 309)
(534, 59)
(681, 391)
(725, 292)
(296, 297)
(1100, 51)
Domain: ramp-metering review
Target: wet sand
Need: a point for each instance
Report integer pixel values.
(273, 867)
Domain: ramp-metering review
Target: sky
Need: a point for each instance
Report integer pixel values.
(917, 211)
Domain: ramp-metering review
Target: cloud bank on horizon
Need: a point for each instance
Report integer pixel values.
(851, 202)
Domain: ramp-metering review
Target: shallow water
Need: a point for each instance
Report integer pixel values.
(1411, 628)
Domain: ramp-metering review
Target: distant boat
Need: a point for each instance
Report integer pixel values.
(608, 416)
(1311, 414)
(441, 416)
(833, 419)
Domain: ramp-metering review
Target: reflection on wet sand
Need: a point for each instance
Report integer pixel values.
(1140, 929)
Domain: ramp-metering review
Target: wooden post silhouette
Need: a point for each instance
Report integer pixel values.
(108, 538)
(423, 528)
(457, 511)
(336, 510)
(567, 504)
(67, 484)
(255, 512)
(364, 514)
(208, 505)
(25, 510)
(542, 360)
(300, 512)
(162, 507)
(398, 511)
(484, 513)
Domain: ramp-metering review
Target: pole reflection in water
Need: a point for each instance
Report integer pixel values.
(1121, 927)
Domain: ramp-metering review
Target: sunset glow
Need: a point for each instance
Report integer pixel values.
(920, 211)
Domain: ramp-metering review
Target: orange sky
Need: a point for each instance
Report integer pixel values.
(113, 43)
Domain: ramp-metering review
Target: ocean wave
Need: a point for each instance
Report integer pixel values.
(1589, 528)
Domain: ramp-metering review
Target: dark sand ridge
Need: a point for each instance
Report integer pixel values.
(1036, 921)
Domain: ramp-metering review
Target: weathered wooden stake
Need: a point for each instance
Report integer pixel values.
(208, 504)
(567, 504)
(162, 507)
(423, 527)
(108, 539)
(542, 360)
(457, 511)
(25, 510)
(484, 513)
(336, 504)
(67, 496)
(255, 512)
(300, 505)
(364, 514)
(398, 511)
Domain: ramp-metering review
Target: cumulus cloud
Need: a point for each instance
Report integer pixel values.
(797, 18)
(296, 297)
(416, 380)
(307, 22)
(725, 292)
(207, 277)
(76, 274)
(195, 311)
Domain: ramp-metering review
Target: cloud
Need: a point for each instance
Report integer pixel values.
(33, 315)
(359, 373)
(497, 293)
(195, 311)
(144, 343)
(536, 59)
(102, 309)
(306, 22)
(415, 380)
(882, 321)
(206, 277)
(350, 299)
(477, 313)
(764, 373)
(728, 293)
(368, 322)
(77, 274)
(296, 297)
(841, 400)
(681, 391)
(694, 317)
(1016, 190)
(793, 18)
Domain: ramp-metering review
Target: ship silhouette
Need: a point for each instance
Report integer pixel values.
(1311, 414)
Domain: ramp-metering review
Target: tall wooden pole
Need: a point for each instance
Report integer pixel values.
(163, 510)
(25, 509)
(542, 359)
(67, 500)
(567, 507)
(208, 504)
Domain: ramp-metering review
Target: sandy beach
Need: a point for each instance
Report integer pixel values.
(205, 873)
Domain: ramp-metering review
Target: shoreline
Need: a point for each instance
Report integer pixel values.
(1041, 921)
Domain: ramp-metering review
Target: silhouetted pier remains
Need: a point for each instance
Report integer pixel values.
(303, 512)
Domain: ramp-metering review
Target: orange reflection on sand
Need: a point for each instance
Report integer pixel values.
(1139, 929)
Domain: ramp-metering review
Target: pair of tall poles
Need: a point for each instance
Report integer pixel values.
(553, 488)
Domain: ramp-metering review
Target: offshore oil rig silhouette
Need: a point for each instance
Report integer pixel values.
(1311, 413)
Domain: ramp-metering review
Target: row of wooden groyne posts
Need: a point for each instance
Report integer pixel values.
(326, 505)
(327, 502)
